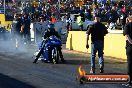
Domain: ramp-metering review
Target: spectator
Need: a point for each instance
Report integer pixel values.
(0, 25)
(97, 31)
(128, 33)
(88, 14)
(1, 30)
(16, 27)
(123, 19)
(114, 15)
(80, 20)
(53, 19)
(25, 28)
(69, 23)
(113, 18)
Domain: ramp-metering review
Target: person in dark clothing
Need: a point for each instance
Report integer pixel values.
(69, 22)
(113, 19)
(16, 25)
(51, 31)
(16, 28)
(25, 29)
(80, 21)
(128, 33)
(0, 30)
(114, 15)
(97, 31)
(123, 20)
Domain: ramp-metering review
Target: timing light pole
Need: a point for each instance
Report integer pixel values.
(59, 7)
(4, 6)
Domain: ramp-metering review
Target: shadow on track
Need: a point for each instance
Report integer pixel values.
(77, 62)
(8, 82)
(86, 62)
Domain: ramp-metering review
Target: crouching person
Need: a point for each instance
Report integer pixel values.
(51, 31)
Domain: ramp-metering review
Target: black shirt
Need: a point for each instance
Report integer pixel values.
(128, 31)
(17, 24)
(48, 34)
(97, 31)
(26, 24)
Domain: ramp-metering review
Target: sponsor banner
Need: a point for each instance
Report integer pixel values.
(106, 78)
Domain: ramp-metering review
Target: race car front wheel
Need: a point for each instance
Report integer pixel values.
(55, 56)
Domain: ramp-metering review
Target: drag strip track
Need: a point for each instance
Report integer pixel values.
(18, 71)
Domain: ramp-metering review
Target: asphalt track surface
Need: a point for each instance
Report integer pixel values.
(18, 71)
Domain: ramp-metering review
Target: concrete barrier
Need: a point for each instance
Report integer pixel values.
(114, 45)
